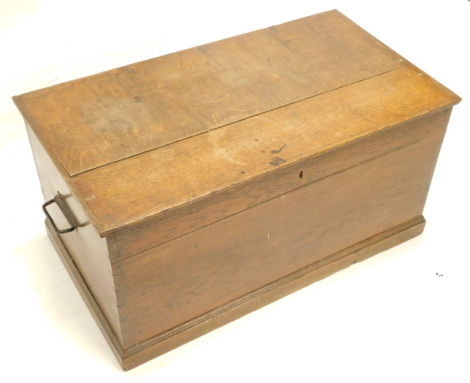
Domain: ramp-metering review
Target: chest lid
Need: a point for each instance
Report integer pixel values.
(161, 133)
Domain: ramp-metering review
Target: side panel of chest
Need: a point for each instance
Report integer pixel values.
(190, 281)
(87, 251)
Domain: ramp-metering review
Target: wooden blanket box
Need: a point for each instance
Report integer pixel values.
(188, 190)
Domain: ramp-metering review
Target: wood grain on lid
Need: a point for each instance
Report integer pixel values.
(97, 120)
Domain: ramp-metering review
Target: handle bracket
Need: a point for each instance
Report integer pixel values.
(65, 211)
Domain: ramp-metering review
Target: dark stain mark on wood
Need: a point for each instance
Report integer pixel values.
(137, 99)
(243, 172)
(301, 174)
(279, 150)
(277, 161)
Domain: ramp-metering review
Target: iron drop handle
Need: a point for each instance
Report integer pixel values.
(65, 211)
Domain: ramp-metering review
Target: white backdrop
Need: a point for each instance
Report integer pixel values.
(388, 319)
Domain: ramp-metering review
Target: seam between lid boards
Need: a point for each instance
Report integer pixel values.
(237, 121)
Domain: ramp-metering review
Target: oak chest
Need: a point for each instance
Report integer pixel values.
(185, 191)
